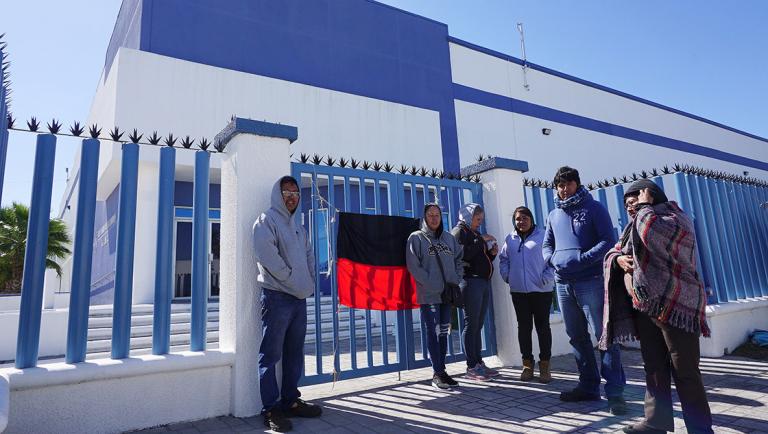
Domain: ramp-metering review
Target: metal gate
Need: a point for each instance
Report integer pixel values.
(353, 342)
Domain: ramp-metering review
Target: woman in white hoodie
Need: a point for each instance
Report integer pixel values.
(530, 280)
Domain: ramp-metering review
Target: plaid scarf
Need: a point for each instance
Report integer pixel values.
(665, 283)
(576, 199)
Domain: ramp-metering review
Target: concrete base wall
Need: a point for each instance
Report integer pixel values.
(110, 396)
(731, 324)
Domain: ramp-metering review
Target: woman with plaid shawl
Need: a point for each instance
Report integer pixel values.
(654, 293)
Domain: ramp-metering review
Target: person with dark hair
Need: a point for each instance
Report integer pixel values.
(654, 293)
(479, 252)
(530, 280)
(286, 265)
(434, 257)
(579, 233)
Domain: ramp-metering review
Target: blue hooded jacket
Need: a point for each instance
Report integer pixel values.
(521, 264)
(579, 234)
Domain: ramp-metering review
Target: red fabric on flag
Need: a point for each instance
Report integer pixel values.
(376, 287)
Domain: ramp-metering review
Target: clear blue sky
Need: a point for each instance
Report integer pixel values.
(705, 57)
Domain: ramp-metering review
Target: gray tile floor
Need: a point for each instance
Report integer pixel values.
(737, 390)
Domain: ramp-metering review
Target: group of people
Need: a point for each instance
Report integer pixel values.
(644, 287)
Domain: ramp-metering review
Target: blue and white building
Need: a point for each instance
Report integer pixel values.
(364, 80)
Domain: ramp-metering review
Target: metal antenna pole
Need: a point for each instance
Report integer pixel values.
(525, 61)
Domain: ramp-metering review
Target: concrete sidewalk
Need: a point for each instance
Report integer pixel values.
(737, 390)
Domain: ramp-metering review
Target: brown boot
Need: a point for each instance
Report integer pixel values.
(527, 374)
(545, 376)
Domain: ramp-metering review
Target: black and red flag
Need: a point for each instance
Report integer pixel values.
(371, 271)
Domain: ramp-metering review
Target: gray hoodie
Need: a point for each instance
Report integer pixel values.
(421, 256)
(284, 255)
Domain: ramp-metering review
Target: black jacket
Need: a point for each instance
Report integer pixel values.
(478, 261)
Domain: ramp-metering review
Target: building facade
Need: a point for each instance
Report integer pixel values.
(361, 80)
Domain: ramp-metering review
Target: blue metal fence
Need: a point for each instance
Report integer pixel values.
(30, 315)
(361, 344)
(731, 226)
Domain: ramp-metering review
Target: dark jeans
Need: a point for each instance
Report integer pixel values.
(437, 324)
(533, 308)
(581, 304)
(476, 294)
(669, 352)
(284, 327)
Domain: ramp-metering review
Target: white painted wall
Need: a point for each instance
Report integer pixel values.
(487, 130)
(111, 396)
(170, 95)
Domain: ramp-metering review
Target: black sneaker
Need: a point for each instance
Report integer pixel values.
(276, 421)
(438, 381)
(304, 409)
(617, 405)
(641, 428)
(577, 395)
(448, 380)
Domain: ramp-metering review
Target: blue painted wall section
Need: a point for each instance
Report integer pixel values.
(354, 46)
(104, 248)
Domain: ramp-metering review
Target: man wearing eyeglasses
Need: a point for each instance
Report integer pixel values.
(286, 267)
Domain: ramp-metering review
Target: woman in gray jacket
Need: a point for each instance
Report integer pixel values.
(425, 248)
(530, 279)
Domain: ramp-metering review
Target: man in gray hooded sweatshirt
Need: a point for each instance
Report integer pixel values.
(286, 264)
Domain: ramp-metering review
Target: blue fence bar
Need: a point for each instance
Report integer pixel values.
(730, 241)
(200, 266)
(703, 239)
(80, 295)
(161, 324)
(126, 226)
(30, 311)
(757, 220)
(719, 270)
(3, 134)
(747, 252)
(684, 200)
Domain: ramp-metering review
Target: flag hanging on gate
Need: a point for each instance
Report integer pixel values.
(371, 271)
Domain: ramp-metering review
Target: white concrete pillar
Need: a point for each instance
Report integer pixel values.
(256, 155)
(502, 180)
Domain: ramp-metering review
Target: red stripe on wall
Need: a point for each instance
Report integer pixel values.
(376, 287)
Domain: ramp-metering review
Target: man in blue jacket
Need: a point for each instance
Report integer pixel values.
(579, 233)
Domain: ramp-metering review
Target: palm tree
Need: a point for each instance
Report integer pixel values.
(13, 239)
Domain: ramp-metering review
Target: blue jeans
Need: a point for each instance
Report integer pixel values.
(283, 329)
(437, 324)
(581, 303)
(476, 294)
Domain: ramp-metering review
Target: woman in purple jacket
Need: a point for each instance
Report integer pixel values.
(530, 280)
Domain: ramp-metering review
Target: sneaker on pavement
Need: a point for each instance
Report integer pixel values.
(490, 371)
(275, 420)
(577, 395)
(439, 382)
(447, 379)
(304, 409)
(617, 405)
(477, 373)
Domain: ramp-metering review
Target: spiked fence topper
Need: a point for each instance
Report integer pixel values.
(135, 137)
(187, 142)
(76, 129)
(94, 131)
(204, 144)
(54, 126)
(115, 134)
(170, 140)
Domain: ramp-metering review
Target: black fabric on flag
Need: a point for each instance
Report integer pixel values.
(374, 239)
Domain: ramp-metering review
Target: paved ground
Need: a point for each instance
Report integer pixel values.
(737, 390)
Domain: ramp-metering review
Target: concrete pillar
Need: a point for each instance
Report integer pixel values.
(256, 155)
(502, 180)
